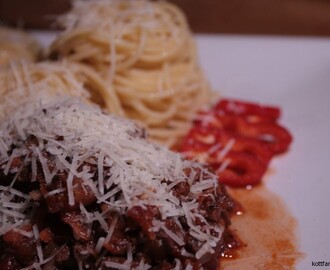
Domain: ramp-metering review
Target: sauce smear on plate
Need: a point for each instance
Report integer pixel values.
(267, 230)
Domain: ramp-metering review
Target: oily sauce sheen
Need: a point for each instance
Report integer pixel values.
(267, 231)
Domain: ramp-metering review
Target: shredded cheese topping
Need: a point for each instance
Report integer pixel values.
(130, 170)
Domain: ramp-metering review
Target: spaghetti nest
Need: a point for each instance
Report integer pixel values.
(145, 51)
(21, 81)
(15, 45)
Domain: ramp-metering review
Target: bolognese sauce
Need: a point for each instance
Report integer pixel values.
(83, 190)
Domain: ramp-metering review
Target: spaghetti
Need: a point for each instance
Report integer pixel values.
(15, 45)
(20, 81)
(146, 52)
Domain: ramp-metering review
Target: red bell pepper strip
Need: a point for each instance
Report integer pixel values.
(213, 142)
(247, 134)
(242, 170)
(249, 110)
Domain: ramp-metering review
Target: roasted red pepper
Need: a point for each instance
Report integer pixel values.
(252, 111)
(242, 169)
(216, 142)
(266, 131)
(238, 139)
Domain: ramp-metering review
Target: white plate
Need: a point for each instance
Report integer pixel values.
(293, 73)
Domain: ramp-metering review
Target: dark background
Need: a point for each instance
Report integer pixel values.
(280, 17)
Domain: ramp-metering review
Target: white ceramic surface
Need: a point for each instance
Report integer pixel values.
(293, 73)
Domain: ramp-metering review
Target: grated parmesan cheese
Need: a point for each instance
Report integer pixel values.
(35, 231)
(129, 170)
